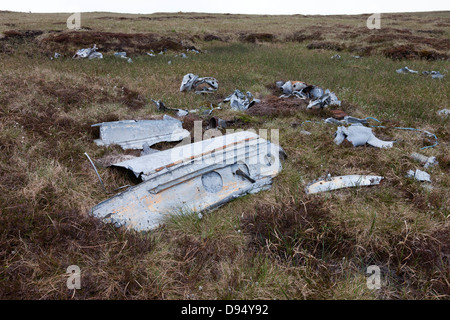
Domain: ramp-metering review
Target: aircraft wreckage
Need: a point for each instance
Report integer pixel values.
(192, 178)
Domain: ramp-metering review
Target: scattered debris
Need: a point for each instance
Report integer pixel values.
(426, 161)
(356, 57)
(184, 55)
(406, 70)
(419, 175)
(169, 62)
(239, 101)
(89, 53)
(329, 98)
(306, 133)
(299, 89)
(151, 54)
(192, 178)
(434, 74)
(333, 183)
(56, 55)
(193, 50)
(161, 107)
(132, 134)
(359, 135)
(346, 120)
(444, 112)
(123, 55)
(199, 85)
(336, 56)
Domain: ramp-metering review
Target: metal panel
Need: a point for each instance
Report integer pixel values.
(196, 177)
(132, 134)
(340, 182)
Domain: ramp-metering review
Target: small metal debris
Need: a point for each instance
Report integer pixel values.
(406, 70)
(122, 55)
(215, 123)
(306, 133)
(336, 56)
(426, 161)
(132, 134)
(161, 107)
(328, 98)
(419, 175)
(318, 97)
(356, 57)
(89, 53)
(444, 112)
(333, 183)
(95, 169)
(192, 178)
(346, 120)
(359, 135)
(240, 101)
(434, 74)
(151, 54)
(199, 85)
(56, 55)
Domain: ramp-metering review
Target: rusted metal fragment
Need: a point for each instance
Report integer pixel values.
(333, 183)
(338, 114)
(192, 178)
(133, 134)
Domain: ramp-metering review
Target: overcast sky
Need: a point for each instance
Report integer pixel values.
(227, 6)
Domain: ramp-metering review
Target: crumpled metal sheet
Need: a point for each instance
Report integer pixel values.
(333, 183)
(133, 134)
(434, 74)
(419, 175)
(89, 53)
(359, 135)
(240, 101)
(406, 70)
(327, 99)
(199, 85)
(426, 161)
(318, 97)
(192, 178)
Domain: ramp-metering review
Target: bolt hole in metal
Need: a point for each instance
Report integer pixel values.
(212, 182)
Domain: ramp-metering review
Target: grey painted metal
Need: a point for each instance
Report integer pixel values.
(192, 178)
(359, 135)
(419, 175)
(133, 134)
(340, 182)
